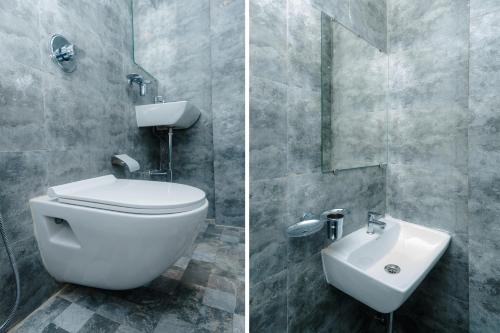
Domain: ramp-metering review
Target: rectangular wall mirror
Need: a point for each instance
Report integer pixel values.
(149, 20)
(354, 77)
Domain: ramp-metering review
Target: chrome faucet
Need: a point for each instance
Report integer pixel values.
(136, 78)
(374, 220)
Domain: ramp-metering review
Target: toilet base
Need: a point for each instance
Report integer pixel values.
(108, 249)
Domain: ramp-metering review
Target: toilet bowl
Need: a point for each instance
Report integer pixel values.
(114, 233)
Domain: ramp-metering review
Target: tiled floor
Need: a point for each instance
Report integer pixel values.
(203, 293)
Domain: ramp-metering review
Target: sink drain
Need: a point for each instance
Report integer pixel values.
(392, 269)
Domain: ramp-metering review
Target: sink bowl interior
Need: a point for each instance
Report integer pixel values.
(359, 263)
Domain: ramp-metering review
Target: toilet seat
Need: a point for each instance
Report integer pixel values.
(129, 196)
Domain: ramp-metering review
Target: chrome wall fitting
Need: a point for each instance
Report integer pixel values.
(309, 224)
(63, 53)
(334, 219)
(140, 81)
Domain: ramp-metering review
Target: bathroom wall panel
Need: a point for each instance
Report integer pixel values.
(268, 166)
(268, 304)
(23, 175)
(423, 313)
(268, 40)
(286, 178)
(268, 128)
(57, 127)
(227, 30)
(304, 141)
(313, 305)
(303, 45)
(479, 7)
(427, 172)
(172, 40)
(22, 107)
(197, 54)
(268, 247)
(484, 156)
(365, 17)
(19, 32)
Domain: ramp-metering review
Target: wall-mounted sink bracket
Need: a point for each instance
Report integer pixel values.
(62, 53)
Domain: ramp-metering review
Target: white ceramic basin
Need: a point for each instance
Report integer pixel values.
(176, 114)
(355, 264)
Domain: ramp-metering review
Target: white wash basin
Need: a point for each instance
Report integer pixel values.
(355, 264)
(175, 114)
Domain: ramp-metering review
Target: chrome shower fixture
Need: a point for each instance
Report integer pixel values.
(63, 53)
(140, 81)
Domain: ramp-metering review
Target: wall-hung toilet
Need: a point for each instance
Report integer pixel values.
(116, 233)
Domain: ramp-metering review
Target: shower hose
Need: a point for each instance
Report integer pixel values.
(4, 325)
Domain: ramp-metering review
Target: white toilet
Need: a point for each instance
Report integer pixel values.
(116, 233)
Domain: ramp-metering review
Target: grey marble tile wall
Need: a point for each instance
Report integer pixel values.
(288, 291)
(484, 175)
(57, 127)
(172, 42)
(427, 179)
(227, 31)
(197, 53)
(368, 18)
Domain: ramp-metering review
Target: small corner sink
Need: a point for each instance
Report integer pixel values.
(382, 270)
(179, 115)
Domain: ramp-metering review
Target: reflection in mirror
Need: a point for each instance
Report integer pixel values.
(354, 78)
(150, 26)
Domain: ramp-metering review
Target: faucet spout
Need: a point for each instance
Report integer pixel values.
(374, 220)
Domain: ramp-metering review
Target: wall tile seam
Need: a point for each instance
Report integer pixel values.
(423, 165)
(213, 78)
(270, 277)
(264, 78)
(13, 244)
(494, 11)
(350, 25)
(448, 296)
(416, 24)
(287, 80)
(306, 88)
(291, 263)
(44, 88)
(25, 151)
(388, 159)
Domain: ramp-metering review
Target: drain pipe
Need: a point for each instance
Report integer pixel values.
(10, 255)
(390, 322)
(170, 140)
(387, 320)
(168, 172)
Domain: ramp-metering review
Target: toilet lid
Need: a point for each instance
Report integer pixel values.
(131, 196)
